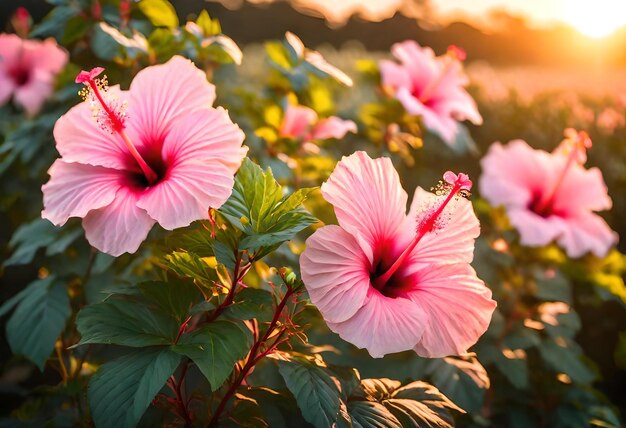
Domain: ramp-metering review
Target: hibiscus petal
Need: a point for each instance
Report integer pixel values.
(535, 230)
(297, 121)
(75, 189)
(368, 198)
(7, 86)
(207, 134)
(587, 232)
(32, 95)
(458, 307)
(332, 127)
(383, 325)
(453, 242)
(187, 192)
(439, 122)
(119, 227)
(162, 94)
(394, 75)
(336, 273)
(418, 61)
(80, 139)
(582, 190)
(514, 174)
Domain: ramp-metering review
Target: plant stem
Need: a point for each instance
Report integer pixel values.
(251, 360)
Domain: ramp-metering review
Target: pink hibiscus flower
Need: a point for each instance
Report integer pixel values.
(431, 87)
(28, 69)
(550, 196)
(155, 153)
(389, 281)
(302, 123)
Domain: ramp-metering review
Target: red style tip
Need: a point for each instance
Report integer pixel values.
(462, 180)
(88, 76)
(22, 13)
(457, 53)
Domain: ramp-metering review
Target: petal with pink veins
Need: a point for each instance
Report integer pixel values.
(187, 192)
(367, 197)
(162, 94)
(336, 273)
(205, 135)
(457, 305)
(383, 325)
(75, 189)
(585, 233)
(453, 242)
(80, 139)
(120, 227)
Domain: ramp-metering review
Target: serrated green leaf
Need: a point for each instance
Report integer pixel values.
(121, 391)
(315, 391)
(38, 319)
(127, 323)
(258, 208)
(161, 13)
(29, 238)
(189, 265)
(215, 348)
(464, 381)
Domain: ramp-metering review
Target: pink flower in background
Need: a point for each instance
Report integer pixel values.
(158, 152)
(610, 119)
(302, 123)
(431, 87)
(550, 196)
(28, 69)
(390, 282)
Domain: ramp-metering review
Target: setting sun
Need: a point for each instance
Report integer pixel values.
(597, 18)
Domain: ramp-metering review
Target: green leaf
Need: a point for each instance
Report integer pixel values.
(553, 286)
(215, 348)
(161, 13)
(257, 208)
(175, 298)
(189, 265)
(38, 320)
(121, 391)
(30, 237)
(127, 323)
(464, 380)
(315, 391)
(563, 356)
(210, 27)
(367, 414)
(251, 303)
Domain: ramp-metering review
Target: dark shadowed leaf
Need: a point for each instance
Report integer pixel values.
(315, 391)
(215, 348)
(121, 391)
(121, 322)
(38, 319)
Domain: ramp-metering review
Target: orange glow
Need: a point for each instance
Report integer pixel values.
(598, 18)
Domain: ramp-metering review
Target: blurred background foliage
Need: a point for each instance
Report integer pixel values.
(555, 353)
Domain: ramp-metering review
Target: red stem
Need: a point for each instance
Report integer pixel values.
(251, 359)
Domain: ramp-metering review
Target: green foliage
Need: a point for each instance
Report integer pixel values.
(215, 348)
(121, 390)
(161, 13)
(41, 311)
(258, 208)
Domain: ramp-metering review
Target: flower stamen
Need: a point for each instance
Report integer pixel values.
(110, 114)
(452, 186)
(574, 146)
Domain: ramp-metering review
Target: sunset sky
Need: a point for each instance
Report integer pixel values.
(595, 18)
